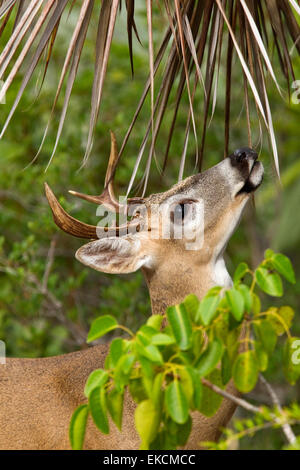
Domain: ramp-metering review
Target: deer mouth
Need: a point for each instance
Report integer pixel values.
(250, 170)
(254, 178)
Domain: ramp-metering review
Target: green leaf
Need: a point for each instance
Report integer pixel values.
(198, 341)
(181, 326)
(101, 326)
(137, 390)
(207, 309)
(146, 422)
(221, 327)
(178, 434)
(236, 303)
(225, 368)
(122, 371)
(256, 305)
(211, 401)
(266, 334)
(261, 355)
(282, 320)
(176, 402)
(283, 265)
(191, 303)
(161, 339)
(232, 343)
(126, 363)
(97, 378)
(186, 383)
(147, 374)
(246, 293)
(213, 291)
(187, 357)
(245, 371)
(115, 401)
(164, 440)
(97, 402)
(291, 359)
(210, 358)
(157, 391)
(269, 253)
(197, 387)
(115, 351)
(78, 426)
(240, 272)
(145, 334)
(151, 352)
(269, 281)
(147, 367)
(155, 321)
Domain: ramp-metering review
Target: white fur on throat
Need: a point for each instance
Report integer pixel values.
(221, 276)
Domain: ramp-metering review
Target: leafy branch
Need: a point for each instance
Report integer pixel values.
(183, 360)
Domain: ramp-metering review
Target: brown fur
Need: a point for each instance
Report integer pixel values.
(37, 417)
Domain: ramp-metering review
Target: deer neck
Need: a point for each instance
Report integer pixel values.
(170, 283)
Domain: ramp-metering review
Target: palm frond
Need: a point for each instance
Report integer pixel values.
(200, 37)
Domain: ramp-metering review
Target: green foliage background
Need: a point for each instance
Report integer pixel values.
(38, 320)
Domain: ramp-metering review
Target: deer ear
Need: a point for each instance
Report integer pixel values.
(113, 255)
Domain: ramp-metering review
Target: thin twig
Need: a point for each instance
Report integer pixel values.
(49, 263)
(239, 401)
(247, 432)
(57, 310)
(286, 428)
(248, 406)
(42, 287)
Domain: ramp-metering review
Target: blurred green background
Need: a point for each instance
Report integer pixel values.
(47, 301)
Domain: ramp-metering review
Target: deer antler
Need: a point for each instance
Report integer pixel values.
(79, 229)
(108, 198)
(65, 221)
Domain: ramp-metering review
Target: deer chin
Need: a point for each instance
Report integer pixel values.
(254, 179)
(219, 271)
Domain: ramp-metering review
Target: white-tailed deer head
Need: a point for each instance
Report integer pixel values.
(174, 236)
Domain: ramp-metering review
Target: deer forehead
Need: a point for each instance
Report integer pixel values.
(208, 185)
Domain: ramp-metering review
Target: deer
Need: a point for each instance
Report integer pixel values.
(38, 396)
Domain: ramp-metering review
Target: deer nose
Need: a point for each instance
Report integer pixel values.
(244, 153)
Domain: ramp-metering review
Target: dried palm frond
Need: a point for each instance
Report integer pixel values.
(199, 36)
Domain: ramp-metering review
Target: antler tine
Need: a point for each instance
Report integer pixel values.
(79, 229)
(112, 162)
(66, 222)
(107, 198)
